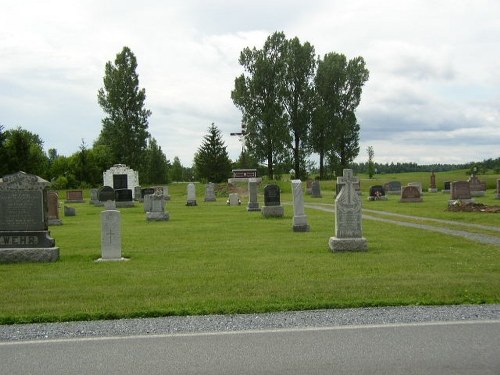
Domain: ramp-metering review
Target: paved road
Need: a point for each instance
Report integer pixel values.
(470, 347)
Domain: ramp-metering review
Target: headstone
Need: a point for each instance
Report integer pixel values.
(148, 202)
(272, 202)
(105, 194)
(309, 183)
(191, 195)
(316, 189)
(418, 185)
(497, 195)
(210, 192)
(24, 220)
(53, 208)
(94, 196)
(348, 230)
(432, 186)
(356, 186)
(119, 176)
(138, 193)
(299, 216)
(253, 204)
(410, 194)
(447, 187)
(377, 193)
(74, 196)
(165, 193)
(157, 211)
(124, 198)
(460, 190)
(69, 211)
(234, 199)
(393, 187)
(147, 191)
(477, 188)
(111, 237)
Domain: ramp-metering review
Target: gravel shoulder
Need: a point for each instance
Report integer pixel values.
(242, 322)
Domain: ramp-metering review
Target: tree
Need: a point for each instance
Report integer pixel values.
(335, 130)
(156, 164)
(176, 170)
(371, 164)
(23, 151)
(124, 129)
(212, 161)
(258, 95)
(297, 98)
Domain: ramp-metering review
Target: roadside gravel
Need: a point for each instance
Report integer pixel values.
(242, 322)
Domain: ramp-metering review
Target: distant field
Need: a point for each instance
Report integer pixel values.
(213, 258)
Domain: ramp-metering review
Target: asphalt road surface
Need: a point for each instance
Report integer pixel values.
(468, 347)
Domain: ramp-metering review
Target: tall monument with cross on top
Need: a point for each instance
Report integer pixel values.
(348, 228)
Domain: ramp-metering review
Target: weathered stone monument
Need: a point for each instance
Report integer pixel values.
(460, 190)
(94, 196)
(418, 185)
(253, 204)
(377, 193)
(53, 208)
(191, 195)
(272, 202)
(432, 186)
(74, 196)
(111, 237)
(106, 197)
(357, 187)
(477, 188)
(393, 187)
(348, 231)
(410, 194)
(24, 220)
(210, 192)
(69, 211)
(148, 202)
(119, 176)
(157, 207)
(234, 199)
(299, 216)
(316, 189)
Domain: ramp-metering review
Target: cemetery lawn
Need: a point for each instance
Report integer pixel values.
(216, 259)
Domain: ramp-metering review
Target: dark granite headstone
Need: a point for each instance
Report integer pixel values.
(377, 192)
(24, 220)
(106, 193)
(120, 181)
(147, 191)
(316, 189)
(123, 195)
(447, 186)
(393, 187)
(272, 195)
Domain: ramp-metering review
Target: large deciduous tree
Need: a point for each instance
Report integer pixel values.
(211, 161)
(335, 130)
(297, 98)
(257, 93)
(23, 151)
(125, 127)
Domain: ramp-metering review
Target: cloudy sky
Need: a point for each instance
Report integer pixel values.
(433, 95)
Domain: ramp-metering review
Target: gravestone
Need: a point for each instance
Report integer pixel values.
(111, 237)
(147, 191)
(272, 202)
(477, 188)
(119, 176)
(53, 208)
(348, 230)
(210, 192)
(69, 211)
(460, 190)
(299, 223)
(74, 196)
(316, 189)
(138, 193)
(253, 204)
(94, 196)
(106, 194)
(377, 193)
(309, 183)
(148, 202)
(234, 199)
(418, 185)
(357, 187)
(393, 187)
(497, 195)
(24, 235)
(191, 195)
(165, 193)
(447, 187)
(124, 198)
(432, 186)
(410, 194)
(157, 211)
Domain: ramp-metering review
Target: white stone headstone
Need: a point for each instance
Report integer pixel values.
(253, 204)
(234, 199)
(191, 195)
(111, 237)
(299, 216)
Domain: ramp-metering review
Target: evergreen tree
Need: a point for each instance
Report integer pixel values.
(156, 164)
(212, 161)
(176, 170)
(124, 129)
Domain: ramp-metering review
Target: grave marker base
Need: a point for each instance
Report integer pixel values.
(347, 244)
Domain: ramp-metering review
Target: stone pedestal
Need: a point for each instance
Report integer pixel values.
(299, 217)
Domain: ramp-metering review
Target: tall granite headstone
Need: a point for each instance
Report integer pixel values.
(272, 202)
(191, 195)
(477, 188)
(432, 186)
(299, 216)
(53, 208)
(253, 204)
(24, 220)
(316, 189)
(348, 231)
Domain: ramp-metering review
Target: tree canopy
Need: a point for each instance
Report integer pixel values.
(211, 161)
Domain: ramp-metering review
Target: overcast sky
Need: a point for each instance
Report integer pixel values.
(433, 95)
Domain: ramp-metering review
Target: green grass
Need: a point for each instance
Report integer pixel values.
(213, 258)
